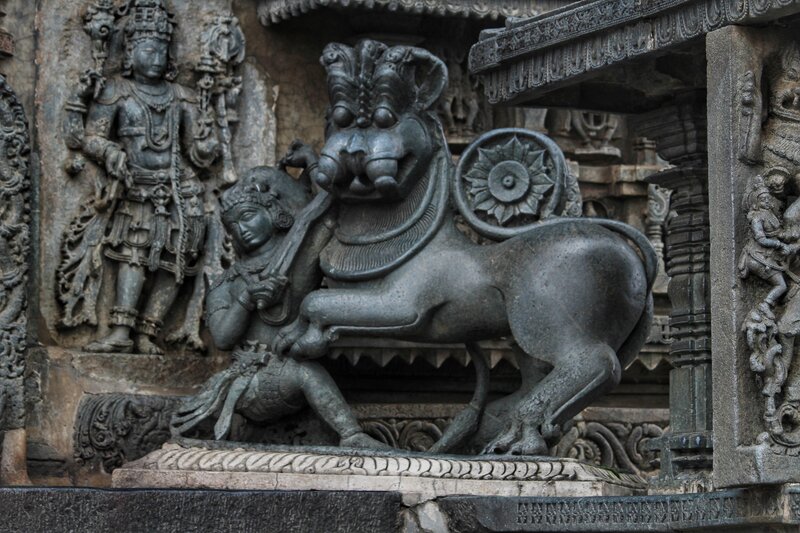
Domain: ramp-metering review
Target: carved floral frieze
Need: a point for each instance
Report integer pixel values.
(112, 429)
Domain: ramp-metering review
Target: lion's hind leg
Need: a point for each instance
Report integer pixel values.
(577, 378)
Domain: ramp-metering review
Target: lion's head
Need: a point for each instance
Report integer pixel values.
(381, 133)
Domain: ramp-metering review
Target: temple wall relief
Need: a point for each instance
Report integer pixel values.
(754, 192)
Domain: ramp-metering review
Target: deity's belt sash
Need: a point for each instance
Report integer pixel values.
(156, 186)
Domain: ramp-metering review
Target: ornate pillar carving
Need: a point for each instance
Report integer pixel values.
(754, 187)
(14, 257)
(679, 131)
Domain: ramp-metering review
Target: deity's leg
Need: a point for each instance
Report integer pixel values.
(130, 280)
(159, 301)
(788, 329)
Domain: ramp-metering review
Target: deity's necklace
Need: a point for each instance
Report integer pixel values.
(156, 142)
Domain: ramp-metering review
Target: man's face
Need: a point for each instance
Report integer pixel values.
(250, 225)
(149, 58)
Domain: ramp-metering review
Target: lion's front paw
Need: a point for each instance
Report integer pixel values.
(502, 443)
(288, 336)
(311, 345)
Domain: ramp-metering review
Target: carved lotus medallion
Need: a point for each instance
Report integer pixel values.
(509, 180)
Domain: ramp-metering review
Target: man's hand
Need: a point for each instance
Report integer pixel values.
(267, 292)
(789, 249)
(117, 165)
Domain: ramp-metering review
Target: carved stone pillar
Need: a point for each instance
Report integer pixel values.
(679, 131)
(753, 183)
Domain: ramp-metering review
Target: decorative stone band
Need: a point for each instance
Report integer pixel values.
(574, 41)
(274, 11)
(384, 351)
(334, 467)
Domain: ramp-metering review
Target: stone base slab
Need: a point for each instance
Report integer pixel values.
(776, 509)
(201, 465)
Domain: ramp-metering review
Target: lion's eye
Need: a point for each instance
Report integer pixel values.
(384, 118)
(342, 116)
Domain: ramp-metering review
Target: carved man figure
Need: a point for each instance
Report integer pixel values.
(765, 251)
(147, 133)
(247, 306)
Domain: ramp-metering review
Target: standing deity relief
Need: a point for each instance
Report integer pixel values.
(156, 142)
(770, 143)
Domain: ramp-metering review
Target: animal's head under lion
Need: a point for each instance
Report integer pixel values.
(569, 292)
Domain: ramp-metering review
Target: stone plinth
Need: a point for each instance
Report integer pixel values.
(201, 465)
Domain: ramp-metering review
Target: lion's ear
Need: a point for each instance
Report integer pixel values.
(431, 75)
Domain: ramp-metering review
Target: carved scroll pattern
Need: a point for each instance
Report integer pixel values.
(14, 250)
(274, 11)
(115, 428)
(205, 456)
(618, 445)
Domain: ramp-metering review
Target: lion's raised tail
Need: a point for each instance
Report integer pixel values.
(649, 257)
(630, 348)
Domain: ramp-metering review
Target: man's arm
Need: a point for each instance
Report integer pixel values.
(228, 313)
(97, 144)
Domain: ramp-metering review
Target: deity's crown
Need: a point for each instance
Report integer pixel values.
(371, 75)
(149, 18)
(758, 188)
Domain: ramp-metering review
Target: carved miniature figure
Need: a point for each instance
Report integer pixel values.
(147, 133)
(460, 103)
(264, 214)
(398, 267)
(764, 252)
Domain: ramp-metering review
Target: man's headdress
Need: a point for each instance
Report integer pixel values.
(271, 189)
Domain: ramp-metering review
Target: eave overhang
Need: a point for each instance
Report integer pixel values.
(525, 60)
(274, 11)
